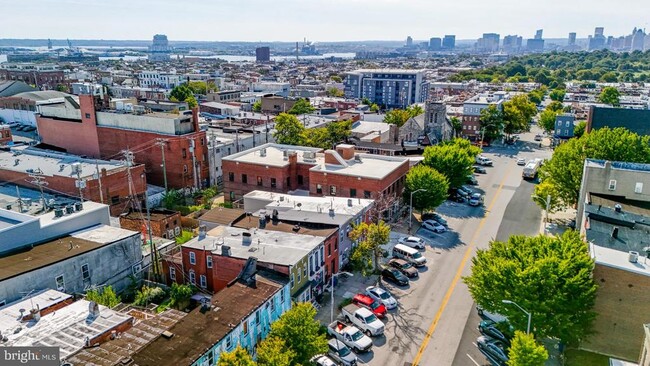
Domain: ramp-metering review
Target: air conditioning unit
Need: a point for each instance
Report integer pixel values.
(170, 233)
(177, 231)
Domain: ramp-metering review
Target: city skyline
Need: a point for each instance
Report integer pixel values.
(320, 21)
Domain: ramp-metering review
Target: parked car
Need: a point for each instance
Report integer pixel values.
(479, 169)
(471, 179)
(455, 197)
(482, 160)
(489, 328)
(476, 199)
(413, 242)
(29, 129)
(521, 161)
(486, 315)
(404, 267)
(492, 349)
(395, 276)
(369, 303)
(433, 226)
(350, 335)
(322, 360)
(538, 137)
(341, 353)
(363, 319)
(21, 127)
(465, 190)
(434, 216)
(409, 254)
(383, 296)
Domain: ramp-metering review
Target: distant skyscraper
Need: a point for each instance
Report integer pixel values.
(449, 42)
(435, 44)
(512, 43)
(572, 39)
(263, 54)
(159, 49)
(538, 34)
(409, 41)
(638, 40)
(599, 31)
(598, 41)
(488, 43)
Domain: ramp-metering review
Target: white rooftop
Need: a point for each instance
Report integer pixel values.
(340, 205)
(369, 166)
(275, 154)
(619, 259)
(364, 127)
(66, 328)
(267, 246)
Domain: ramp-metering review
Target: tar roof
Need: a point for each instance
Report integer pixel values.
(632, 229)
(285, 227)
(54, 251)
(38, 96)
(200, 330)
(635, 120)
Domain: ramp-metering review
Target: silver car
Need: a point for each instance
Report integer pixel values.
(383, 296)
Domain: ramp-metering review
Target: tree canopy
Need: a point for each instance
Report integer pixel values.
(550, 277)
(525, 351)
(369, 238)
(579, 129)
(492, 123)
(547, 120)
(400, 116)
(273, 351)
(288, 130)
(237, 357)
(557, 95)
(454, 159)
(335, 92)
(517, 113)
(610, 95)
(183, 93)
(302, 106)
(300, 332)
(257, 106)
(433, 182)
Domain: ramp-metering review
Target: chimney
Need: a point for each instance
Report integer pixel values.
(225, 251)
(195, 119)
(615, 232)
(346, 151)
(202, 232)
(246, 238)
(93, 309)
(618, 208)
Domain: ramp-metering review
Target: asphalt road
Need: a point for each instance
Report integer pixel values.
(522, 216)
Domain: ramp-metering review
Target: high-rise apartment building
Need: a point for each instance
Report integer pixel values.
(435, 44)
(409, 41)
(263, 54)
(449, 42)
(512, 43)
(488, 43)
(538, 34)
(598, 41)
(159, 49)
(572, 39)
(392, 88)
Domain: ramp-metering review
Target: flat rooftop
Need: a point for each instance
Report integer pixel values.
(365, 127)
(252, 222)
(619, 165)
(617, 259)
(27, 160)
(368, 166)
(266, 245)
(60, 249)
(67, 327)
(286, 202)
(198, 331)
(275, 155)
(633, 230)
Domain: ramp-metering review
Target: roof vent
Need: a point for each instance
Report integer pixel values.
(58, 212)
(167, 334)
(225, 250)
(93, 309)
(349, 202)
(615, 232)
(618, 208)
(263, 152)
(357, 158)
(633, 257)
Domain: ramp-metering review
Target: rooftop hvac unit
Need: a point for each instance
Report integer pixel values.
(633, 257)
(138, 109)
(69, 210)
(263, 152)
(128, 107)
(78, 206)
(58, 212)
(76, 167)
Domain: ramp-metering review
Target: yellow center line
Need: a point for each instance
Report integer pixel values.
(457, 277)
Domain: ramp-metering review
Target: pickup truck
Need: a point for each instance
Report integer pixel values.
(350, 335)
(363, 319)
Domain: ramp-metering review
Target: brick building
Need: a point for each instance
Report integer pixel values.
(87, 128)
(472, 109)
(164, 223)
(276, 104)
(43, 76)
(5, 135)
(339, 173)
(22, 165)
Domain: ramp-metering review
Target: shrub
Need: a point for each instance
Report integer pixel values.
(105, 296)
(180, 293)
(148, 295)
(184, 237)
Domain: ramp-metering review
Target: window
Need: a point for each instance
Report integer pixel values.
(172, 273)
(184, 153)
(87, 115)
(257, 317)
(281, 297)
(115, 200)
(300, 275)
(85, 272)
(300, 180)
(304, 271)
(192, 277)
(244, 178)
(293, 277)
(259, 180)
(60, 283)
(366, 194)
(245, 327)
(184, 168)
(192, 258)
(228, 342)
(232, 196)
(289, 182)
(329, 249)
(273, 183)
(319, 189)
(332, 190)
(204, 282)
(208, 261)
(272, 304)
(353, 192)
(638, 188)
(612, 185)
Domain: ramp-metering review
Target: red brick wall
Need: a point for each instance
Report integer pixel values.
(5, 135)
(331, 255)
(158, 227)
(199, 268)
(42, 79)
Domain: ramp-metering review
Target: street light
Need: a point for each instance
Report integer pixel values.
(411, 208)
(332, 292)
(522, 309)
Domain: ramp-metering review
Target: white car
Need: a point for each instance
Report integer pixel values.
(521, 161)
(383, 296)
(476, 199)
(413, 242)
(434, 226)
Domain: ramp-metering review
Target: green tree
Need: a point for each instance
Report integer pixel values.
(369, 238)
(397, 117)
(454, 159)
(302, 106)
(579, 129)
(180, 294)
(542, 192)
(237, 357)
(517, 113)
(366, 101)
(525, 351)
(335, 92)
(547, 120)
(551, 277)
(257, 106)
(610, 95)
(457, 125)
(62, 88)
(274, 352)
(300, 333)
(191, 102)
(492, 123)
(336, 79)
(414, 110)
(374, 108)
(198, 87)
(289, 130)
(104, 296)
(433, 182)
(558, 95)
(181, 93)
(555, 106)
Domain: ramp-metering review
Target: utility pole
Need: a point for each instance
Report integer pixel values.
(152, 247)
(192, 151)
(80, 183)
(267, 128)
(20, 200)
(128, 157)
(163, 143)
(99, 180)
(37, 179)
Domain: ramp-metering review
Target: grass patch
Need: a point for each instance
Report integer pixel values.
(574, 357)
(164, 305)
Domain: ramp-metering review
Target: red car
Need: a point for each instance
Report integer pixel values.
(367, 302)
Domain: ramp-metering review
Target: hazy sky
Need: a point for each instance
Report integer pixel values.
(318, 20)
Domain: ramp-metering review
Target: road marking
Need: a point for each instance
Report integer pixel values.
(475, 363)
(457, 277)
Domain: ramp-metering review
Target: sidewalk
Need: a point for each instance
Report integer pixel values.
(558, 222)
(346, 288)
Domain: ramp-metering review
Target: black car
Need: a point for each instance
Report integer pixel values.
(395, 276)
(489, 328)
(493, 350)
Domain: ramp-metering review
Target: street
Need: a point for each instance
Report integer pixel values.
(435, 322)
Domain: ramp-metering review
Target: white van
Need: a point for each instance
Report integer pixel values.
(409, 254)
